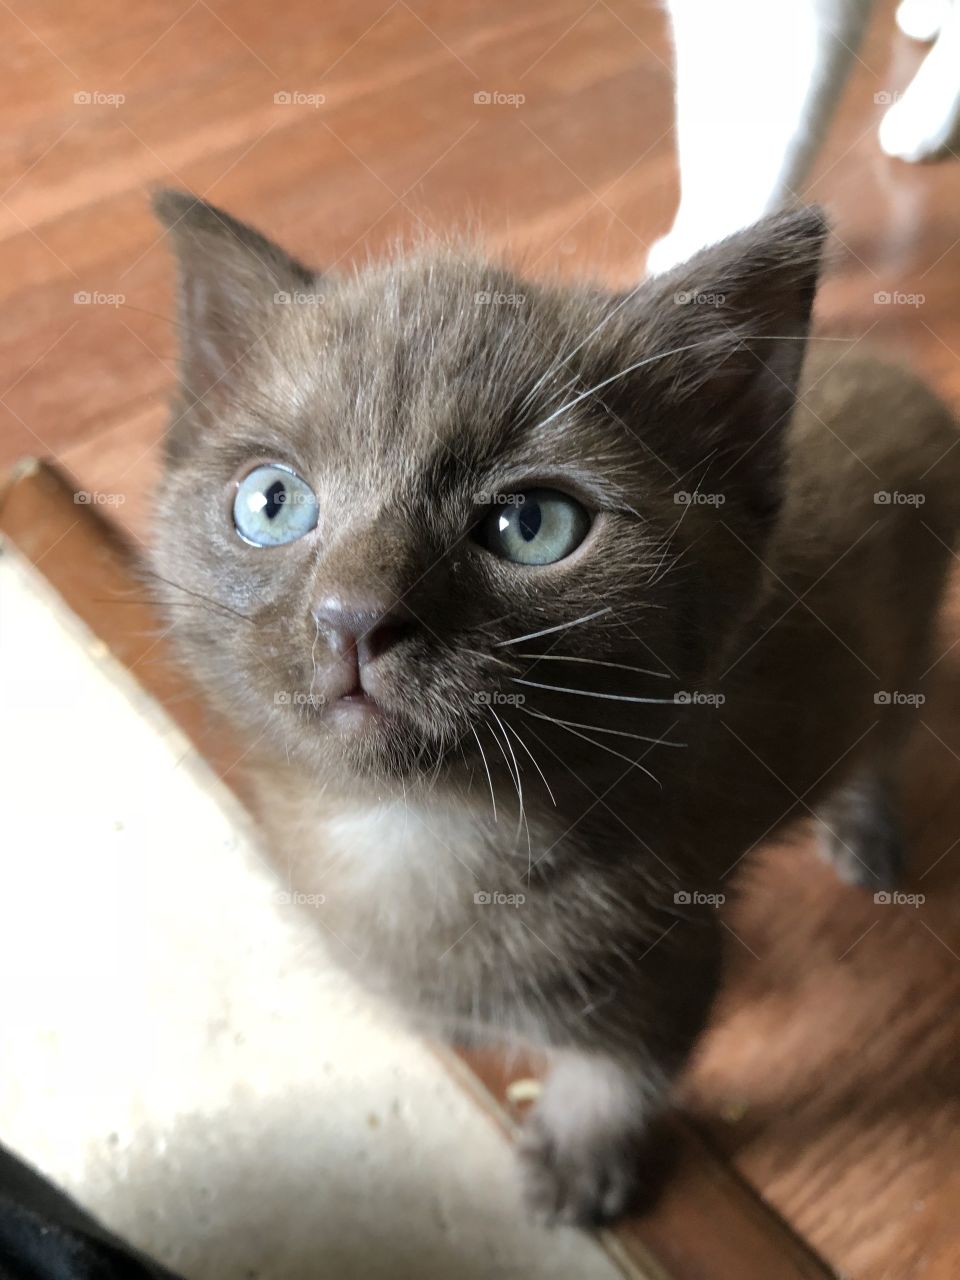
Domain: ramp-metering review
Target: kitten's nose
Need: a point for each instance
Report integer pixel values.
(366, 628)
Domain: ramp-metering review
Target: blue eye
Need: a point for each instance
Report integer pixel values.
(274, 506)
(539, 526)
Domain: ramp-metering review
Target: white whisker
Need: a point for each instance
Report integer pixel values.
(588, 693)
(639, 364)
(595, 662)
(533, 761)
(601, 745)
(605, 320)
(596, 728)
(522, 820)
(562, 626)
(488, 657)
(486, 769)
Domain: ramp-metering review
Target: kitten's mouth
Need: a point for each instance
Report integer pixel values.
(363, 719)
(361, 709)
(355, 707)
(354, 713)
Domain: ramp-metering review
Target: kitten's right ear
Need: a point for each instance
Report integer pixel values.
(229, 280)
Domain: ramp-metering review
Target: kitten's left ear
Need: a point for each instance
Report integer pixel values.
(230, 278)
(737, 316)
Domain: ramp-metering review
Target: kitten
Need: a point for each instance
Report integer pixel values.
(540, 606)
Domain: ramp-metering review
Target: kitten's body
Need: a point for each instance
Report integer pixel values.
(399, 873)
(587, 926)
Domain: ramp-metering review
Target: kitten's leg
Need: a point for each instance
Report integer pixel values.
(593, 1145)
(860, 832)
(925, 123)
(757, 84)
(586, 1146)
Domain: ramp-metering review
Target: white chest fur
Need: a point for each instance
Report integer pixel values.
(421, 898)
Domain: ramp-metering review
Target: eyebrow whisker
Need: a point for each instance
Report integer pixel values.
(598, 386)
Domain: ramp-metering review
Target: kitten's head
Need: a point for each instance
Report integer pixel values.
(386, 492)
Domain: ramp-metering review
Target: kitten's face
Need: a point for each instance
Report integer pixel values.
(378, 486)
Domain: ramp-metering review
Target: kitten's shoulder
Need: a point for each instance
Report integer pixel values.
(866, 426)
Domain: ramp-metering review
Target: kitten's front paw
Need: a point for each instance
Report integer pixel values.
(575, 1178)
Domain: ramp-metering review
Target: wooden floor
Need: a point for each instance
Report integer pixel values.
(832, 1078)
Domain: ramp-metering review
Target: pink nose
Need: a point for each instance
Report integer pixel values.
(365, 628)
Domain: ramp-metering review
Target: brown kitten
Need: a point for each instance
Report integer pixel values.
(566, 603)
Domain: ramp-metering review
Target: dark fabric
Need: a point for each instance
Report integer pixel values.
(44, 1235)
